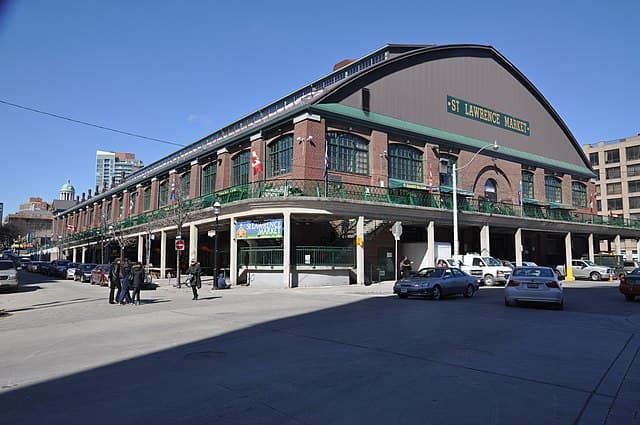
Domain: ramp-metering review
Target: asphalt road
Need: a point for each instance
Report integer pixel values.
(335, 355)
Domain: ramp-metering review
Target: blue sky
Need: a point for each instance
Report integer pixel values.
(178, 71)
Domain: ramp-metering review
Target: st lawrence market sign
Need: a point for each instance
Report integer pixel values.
(489, 116)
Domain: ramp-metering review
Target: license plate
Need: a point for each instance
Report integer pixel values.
(532, 285)
(403, 290)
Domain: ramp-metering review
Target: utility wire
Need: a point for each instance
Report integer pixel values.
(90, 124)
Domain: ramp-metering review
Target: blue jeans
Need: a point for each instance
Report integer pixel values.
(124, 292)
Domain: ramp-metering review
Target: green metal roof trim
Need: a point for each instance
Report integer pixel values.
(534, 202)
(560, 206)
(452, 139)
(406, 184)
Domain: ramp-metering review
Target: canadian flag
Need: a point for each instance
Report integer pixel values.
(255, 162)
(592, 203)
(430, 180)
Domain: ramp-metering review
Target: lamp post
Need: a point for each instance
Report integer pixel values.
(495, 147)
(216, 212)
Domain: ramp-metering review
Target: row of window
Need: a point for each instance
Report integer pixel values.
(613, 155)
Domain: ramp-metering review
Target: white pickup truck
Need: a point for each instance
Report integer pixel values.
(487, 268)
(585, 269)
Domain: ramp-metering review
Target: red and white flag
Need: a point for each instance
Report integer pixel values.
(255, 162)
(70, 227)
(430, 180)
(592, 202)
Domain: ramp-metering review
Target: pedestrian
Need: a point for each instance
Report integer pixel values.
(222, 284)
(194, 271)
(114, 281)
(137, 280)
(405, 267)
(125, 269)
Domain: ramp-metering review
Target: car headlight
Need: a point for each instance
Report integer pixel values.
(13, 276)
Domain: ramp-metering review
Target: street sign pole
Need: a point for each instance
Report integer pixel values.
(396, 230)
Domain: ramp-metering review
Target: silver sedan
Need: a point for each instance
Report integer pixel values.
(533, 284)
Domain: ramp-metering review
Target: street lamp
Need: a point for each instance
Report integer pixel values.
(495, 147)
(216, 212)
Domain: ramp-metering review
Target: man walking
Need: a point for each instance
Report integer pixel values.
(125, 268)
(114, 281)
(194, 277)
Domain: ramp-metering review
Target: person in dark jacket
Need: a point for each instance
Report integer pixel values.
(137, 277)
(125, 273)
(194, 271)
(114, 281)
(222, 284)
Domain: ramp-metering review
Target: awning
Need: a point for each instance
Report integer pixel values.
(403, 184)
(534, 202)
(559, 206)
(461, 192)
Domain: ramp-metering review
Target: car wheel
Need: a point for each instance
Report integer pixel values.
(469, 292)
(488, 280)
(629, 297)
(436, 293)
(506, 302)
(595, 276)
(402, 295)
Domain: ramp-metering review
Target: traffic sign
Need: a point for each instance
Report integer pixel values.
(179, 245)
(396, 229)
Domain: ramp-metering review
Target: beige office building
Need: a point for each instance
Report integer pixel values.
(617, 165)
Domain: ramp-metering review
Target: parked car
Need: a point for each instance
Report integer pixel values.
(534, 284)
(35, 266)
(58, 268)
(630, 284)
(100, 275)
(629, 266)
(437, 282)
(586, 269)
(71, 270)
(25, 262)
(83, 272)
(9, 275)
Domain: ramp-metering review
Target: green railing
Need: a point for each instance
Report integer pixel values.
(260, 256)
(338, 190)
(304, 256)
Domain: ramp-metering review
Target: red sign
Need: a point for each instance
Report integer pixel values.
(179, 245)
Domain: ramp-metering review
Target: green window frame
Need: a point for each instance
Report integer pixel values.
(445, 173)
(133, 203)
(109, 211)
(147, 199)
(553, 189)
(528, 185)
(406, 163)
(240, 168)
(208, 180)
(120, 206)
(280, 156)
(348, 153)
(579, 194)
(163, 193)
(185, 185)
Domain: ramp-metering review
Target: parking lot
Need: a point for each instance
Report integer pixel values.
(332, 355)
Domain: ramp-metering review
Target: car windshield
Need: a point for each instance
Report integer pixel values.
(589, 263)
(87, 267)
(490, 261)
(6, 265)
(635, 271)
(533, 272)
(431, 272)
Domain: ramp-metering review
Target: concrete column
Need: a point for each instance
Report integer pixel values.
(431, 245)
(518, 246)
(233, 252)
(141, 248)
(591, 249)
(73, 255)
(485, 248)
(163, 254)
(84, 254)
(617, 245)
(568, 256)
(193, 242)
(286, 255)
(360, 251)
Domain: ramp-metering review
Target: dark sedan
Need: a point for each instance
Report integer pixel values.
(83, 272)
(630, 285)
(437, 283)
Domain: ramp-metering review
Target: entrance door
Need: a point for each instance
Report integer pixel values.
(385, 269)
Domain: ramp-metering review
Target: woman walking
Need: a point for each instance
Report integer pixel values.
(137, 273)
(194, 277)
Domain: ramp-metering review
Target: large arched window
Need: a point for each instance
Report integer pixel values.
(280, 156)
(185, 185)
(240, 168)
(579, 194)
(348, 153)
(446, 169)
(109, 211)
(527, 185)
(133, 203)
(163, 193)
(405, 163)
(208, 183)
(146, 199)
(491, 190)
(553, 189)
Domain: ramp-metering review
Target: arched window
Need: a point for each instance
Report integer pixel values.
(147, 198)
(208, 182)
(185, 185)
(280, 156)
(446, 169)
(163, 193)
(240, 168)
(527, 185)
(553, 189)
(109, 211)
(579, 194)
(348, 153)
(133, 203)
(405, 163)
(120, 206)
(490, 190)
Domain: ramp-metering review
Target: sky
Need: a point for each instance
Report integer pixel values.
(180, 70)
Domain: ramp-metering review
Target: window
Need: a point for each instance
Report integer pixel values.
(348, 153)
(634, 202)
(614, 188)
(594, 159)
(280, 156)
(579, 194)
(598, 205)
(527, 185)
(633, 170)
(405, 163)
(208, 183)
(240, 168)
(163, 193)
(553, 189)
(185, 185)
(120, 207)
(613, 173)
(133, 203)
(109, 211)
(615, 203)
(490, 191)
(147, 199)
(633, 153)
(612, 155)
(446, 170)
(633, 186)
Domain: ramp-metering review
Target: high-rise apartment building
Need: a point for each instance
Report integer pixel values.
(112, 166)
(617, 166)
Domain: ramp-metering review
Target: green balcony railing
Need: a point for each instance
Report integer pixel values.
(304, 256)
